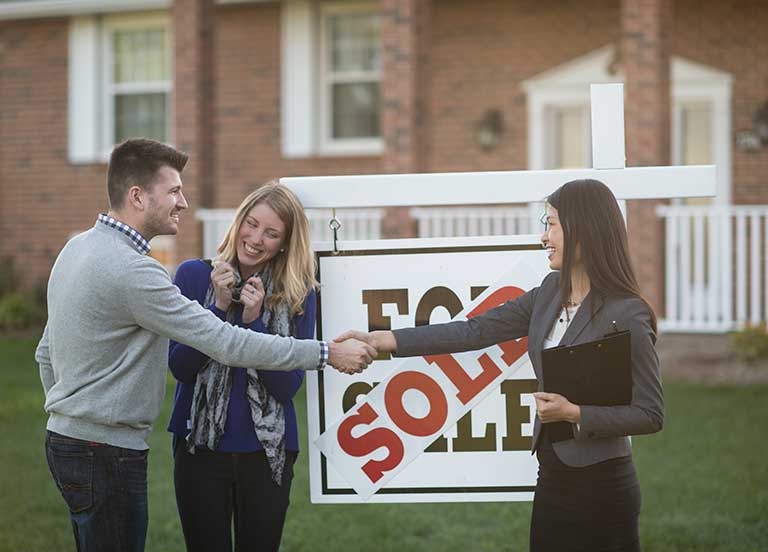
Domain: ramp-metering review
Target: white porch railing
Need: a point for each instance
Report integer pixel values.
(446, 222)
(357, 224)
(716, 267)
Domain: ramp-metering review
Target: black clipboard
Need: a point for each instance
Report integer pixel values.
(597, 373)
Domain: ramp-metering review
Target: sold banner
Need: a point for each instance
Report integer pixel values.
(435, 428)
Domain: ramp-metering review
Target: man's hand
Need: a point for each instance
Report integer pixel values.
(252, 298)
(222, 278)
(552, 407)
(350, 357)
(382, 340)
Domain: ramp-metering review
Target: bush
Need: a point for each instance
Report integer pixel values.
(9, 276)
(750, 344)
(18, 312)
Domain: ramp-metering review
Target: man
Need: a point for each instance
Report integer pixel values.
(104, 351)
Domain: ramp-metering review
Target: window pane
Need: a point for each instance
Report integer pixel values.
(355, 110)
(140, 115)
(696, 135)
(140, 56)
(696, 141)
(570, 138)
(354, 42)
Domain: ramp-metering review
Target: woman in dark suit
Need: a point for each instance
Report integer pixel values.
(587, 494)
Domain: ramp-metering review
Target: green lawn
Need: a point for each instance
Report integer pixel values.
(704, 482)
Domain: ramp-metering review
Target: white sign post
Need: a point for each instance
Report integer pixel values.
(368, 432)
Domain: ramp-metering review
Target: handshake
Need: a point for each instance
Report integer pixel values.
(353, 351)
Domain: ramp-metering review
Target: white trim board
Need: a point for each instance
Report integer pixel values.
(31, 9)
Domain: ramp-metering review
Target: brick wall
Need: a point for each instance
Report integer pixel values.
(477, 54)
(247, 108)
(732, 37)
(44, 198)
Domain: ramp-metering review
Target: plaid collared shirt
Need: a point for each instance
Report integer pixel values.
(323, 355)
(142, 245)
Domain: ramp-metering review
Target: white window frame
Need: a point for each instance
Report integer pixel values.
(327, 145)
(109, 89)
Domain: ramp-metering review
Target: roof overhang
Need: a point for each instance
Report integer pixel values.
(34, 9)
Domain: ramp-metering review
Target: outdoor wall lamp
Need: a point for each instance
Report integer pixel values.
(760, 123)
(489, 129)
(757, 136)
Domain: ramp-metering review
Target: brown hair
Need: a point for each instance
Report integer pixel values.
(294, 269)
(591, 220)
(135, 162)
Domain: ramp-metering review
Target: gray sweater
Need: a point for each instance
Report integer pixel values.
(104, 353)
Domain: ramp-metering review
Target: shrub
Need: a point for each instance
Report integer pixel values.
(9, 276)
(18, 312)
(750, 343)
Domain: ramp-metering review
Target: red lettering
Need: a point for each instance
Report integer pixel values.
(369, 442)
(468, 387)
(512, 349)
(438, 405)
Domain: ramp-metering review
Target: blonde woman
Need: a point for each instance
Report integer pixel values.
(235, 434)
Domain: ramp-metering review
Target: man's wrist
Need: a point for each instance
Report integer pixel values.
(324, 355)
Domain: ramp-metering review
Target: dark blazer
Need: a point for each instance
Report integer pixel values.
(603, 431)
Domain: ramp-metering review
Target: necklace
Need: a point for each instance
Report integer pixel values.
(566, 306)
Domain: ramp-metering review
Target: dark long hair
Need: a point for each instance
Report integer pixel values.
(592, 222)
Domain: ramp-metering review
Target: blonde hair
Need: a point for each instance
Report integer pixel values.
(293, 271)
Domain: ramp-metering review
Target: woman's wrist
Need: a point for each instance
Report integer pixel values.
(575, 414)
(384, 341)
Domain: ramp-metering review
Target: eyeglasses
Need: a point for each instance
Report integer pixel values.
(544, 222)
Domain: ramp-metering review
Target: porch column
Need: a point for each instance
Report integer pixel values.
(192, 112)
(645, 52)
(405, 38)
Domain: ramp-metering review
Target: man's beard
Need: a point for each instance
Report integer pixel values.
(157, 223)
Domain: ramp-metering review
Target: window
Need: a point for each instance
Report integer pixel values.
(331, 76)
(569, 137)
(350, 72)
(694, 142)
(120, 79)
(138, 81)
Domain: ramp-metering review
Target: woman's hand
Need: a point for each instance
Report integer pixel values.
(223, 279)
(252, 298)
(382, 340)
(551, 407)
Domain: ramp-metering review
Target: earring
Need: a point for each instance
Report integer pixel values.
(282, 251)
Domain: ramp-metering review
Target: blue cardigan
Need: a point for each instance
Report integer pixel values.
(193, 278)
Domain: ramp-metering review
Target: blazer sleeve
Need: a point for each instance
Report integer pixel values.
(507, 321)
(645, 414)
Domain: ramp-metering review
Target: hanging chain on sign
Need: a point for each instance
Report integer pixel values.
(335, 225)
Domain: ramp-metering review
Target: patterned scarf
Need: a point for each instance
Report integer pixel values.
(214, 384)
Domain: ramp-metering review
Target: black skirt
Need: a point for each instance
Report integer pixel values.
(590, 509)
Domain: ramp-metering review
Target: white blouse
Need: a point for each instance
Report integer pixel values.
(560, 326)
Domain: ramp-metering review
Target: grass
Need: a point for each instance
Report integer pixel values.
(704, 481)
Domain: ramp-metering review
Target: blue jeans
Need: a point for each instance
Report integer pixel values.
(105, 488)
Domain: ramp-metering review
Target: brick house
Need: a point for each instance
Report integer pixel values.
(260, 89)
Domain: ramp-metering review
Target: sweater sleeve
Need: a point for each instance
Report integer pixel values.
(158, 306)
(43, 358)
(185, 361)
(284, 385)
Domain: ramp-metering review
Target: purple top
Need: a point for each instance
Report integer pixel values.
(193, 278)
